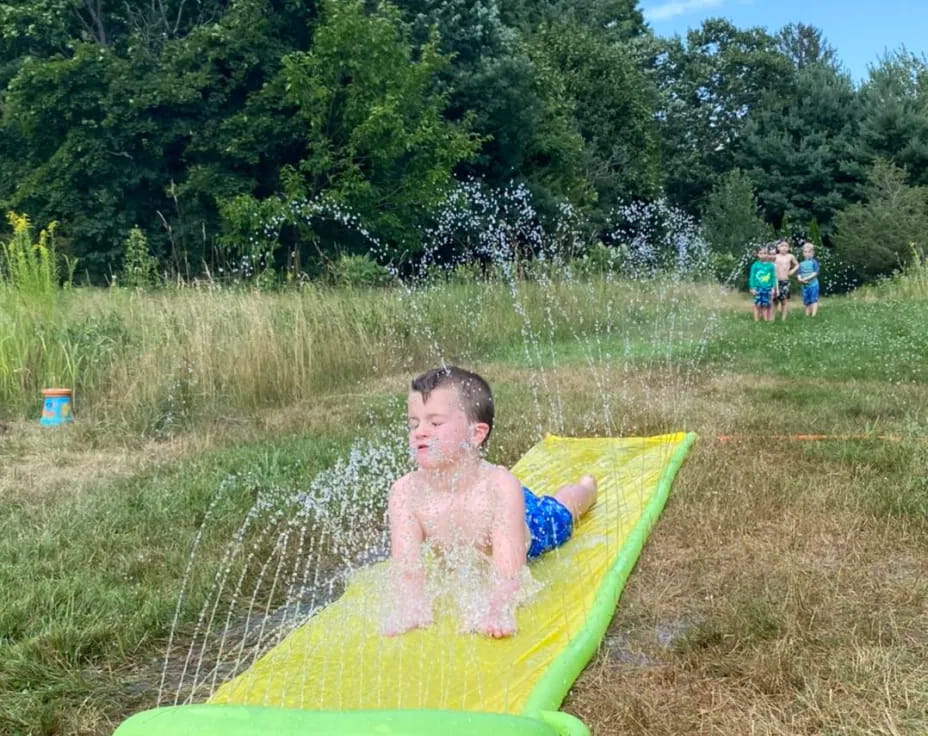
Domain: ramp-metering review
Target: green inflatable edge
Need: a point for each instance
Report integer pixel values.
(554, 685)
(540, 717)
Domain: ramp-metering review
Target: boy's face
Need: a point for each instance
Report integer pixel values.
(440, 433)
(808, 251)
(783, 247)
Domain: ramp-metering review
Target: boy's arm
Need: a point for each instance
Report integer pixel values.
(795, 265)
(410, 607)
(508, 541)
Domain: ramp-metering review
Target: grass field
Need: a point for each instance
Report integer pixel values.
(784, 591)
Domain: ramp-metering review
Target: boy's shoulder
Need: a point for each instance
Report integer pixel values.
(501, 477)
(405, 484)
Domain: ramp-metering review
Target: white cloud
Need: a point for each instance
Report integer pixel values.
(678, 7)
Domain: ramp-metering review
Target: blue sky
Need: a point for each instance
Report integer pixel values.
(860, 30)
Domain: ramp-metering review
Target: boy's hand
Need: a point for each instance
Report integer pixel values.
(410, 616)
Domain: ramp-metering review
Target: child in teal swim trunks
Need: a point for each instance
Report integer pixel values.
(457, 500)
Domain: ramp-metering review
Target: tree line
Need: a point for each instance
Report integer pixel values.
(284, 133)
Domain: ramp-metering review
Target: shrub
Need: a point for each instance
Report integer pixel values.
(27, 266)
(358, 270)
(882, 235)
(139, 267)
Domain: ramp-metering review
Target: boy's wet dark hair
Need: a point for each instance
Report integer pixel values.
(476, 396)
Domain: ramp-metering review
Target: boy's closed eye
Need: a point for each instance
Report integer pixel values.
(414, 423)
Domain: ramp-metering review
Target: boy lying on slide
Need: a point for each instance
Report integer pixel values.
(455, 500)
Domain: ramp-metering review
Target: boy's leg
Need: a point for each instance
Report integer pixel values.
(578, 497)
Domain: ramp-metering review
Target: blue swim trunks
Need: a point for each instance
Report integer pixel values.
(549, 521)
(762, 297)
(810, 293)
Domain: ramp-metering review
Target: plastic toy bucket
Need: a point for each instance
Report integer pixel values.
(57, 407)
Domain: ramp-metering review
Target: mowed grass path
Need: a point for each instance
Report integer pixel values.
(784, 591)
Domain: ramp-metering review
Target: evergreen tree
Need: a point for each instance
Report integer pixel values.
(732, 224)
(798, 148)
(894, 114)
(884, 233)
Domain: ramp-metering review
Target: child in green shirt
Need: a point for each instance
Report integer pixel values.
(763, 283)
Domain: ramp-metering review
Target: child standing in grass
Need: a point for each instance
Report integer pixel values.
(807, 275)
(785, 265)
(459, 504)
(763, 283)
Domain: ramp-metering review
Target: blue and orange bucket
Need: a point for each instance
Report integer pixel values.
(57, 408)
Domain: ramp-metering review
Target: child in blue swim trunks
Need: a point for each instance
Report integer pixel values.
(763, 283)
(808, 277)
(455, 500)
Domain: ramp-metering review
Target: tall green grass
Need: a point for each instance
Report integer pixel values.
(157, 360)
(911, 284)
(30, 268)
(89, 576)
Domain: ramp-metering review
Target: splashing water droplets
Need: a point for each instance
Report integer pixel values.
(595, 330)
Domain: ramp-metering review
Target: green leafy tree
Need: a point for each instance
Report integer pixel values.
(885, 232)
(804, 45)
(612, 110)
(710, 83)
(619, 20)
(106, 136)
(514, 95)
(375, 137)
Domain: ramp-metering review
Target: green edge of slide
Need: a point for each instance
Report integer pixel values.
(553, 686)
(541, 717)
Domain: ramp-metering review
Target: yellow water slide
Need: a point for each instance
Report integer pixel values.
(336, 674)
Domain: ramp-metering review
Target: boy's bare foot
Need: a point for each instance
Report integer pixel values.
(497, 625)
(588, 481)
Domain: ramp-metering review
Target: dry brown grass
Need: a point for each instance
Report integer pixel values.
(779, 593)
(772, 598)
(39, 462)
